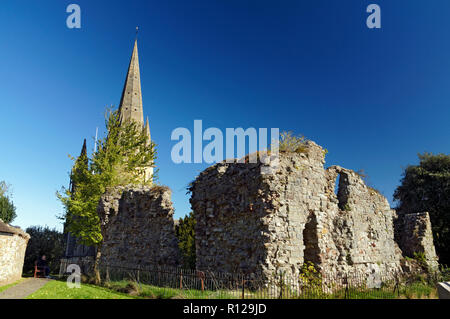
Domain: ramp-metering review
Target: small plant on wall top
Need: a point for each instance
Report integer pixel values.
(292, 144)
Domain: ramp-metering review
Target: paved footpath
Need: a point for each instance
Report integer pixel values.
(23, 289)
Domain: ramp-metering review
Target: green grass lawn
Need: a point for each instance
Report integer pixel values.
(3, 288)
(56, 289)
(154, 292)
(59, 290)
(131, 290)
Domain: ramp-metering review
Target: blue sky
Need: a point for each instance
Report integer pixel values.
(373, 98)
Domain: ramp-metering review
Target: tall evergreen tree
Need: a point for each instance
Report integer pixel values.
(185, 231)
(426, 188)
(120, 159)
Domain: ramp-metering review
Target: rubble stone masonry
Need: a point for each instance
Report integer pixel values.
(13, 243)
(259, 223)
(137, 227)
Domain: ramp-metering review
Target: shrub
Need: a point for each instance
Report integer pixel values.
(311, 278)
(290, 143)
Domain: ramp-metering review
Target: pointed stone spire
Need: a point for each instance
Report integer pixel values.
(130, 107)
(147, 130)
(83, 157)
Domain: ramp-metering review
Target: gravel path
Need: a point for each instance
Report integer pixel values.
(23, 289)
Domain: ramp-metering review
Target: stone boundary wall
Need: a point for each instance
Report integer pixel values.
(138, 227)
(13, 243)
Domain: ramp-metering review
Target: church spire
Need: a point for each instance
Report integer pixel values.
(147, 130)
(130, 107)
(83, 157)
(83, 149)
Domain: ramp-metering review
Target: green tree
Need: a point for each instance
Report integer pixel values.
(44, 241)
(426, 188)
(120, 160)
(185, 231)
(4, 188)
(7, 208)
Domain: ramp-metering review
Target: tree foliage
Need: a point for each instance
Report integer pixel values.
(44, 241)
(185, 232)
(120, 159)
(426, 188)
(4, 188)
(7, 208)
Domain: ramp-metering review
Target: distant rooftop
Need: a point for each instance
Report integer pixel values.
(7, 229)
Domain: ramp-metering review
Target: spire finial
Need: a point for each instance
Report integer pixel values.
(137, 31)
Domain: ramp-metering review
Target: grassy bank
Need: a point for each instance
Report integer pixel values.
(59, 290)
(132, 290)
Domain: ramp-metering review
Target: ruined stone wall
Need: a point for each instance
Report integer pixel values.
(253, 222)
(363, 229)
(261, 223)
(138, 227)
(13, 243)
(414, 236)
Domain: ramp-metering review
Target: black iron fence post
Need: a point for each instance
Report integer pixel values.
(281, 286)
(346, 296)
(107, 274)
(397, 285)
(181, 281)
(259, 286)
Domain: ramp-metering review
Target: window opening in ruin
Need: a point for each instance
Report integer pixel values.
(341, 191)
(336, 184)
(311, 241)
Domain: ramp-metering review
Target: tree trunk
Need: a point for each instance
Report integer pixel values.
(98, 279)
